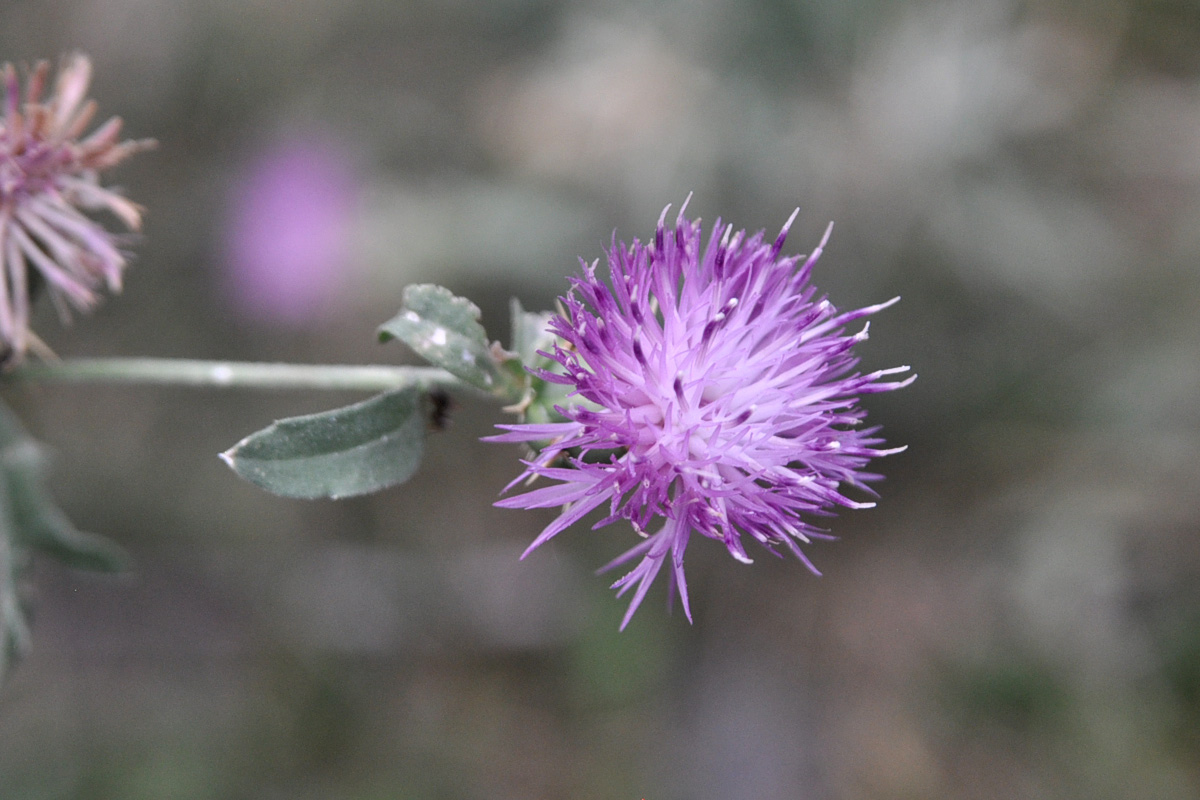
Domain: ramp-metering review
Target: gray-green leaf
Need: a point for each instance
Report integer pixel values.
(445, 331)
(349, 451)
(29, 520)
(14, 625)
(35, 520)
(43, 526)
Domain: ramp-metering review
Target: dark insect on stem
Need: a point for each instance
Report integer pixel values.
(440, 406)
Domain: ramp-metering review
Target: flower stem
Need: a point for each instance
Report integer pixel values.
(240, 374)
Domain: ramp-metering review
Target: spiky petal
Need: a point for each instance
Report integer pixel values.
(714, 390)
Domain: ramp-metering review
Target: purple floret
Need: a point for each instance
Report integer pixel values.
(711, 388)
(49, 184)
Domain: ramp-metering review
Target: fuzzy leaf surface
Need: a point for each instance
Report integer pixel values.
(14, 624)
(35, 521)
(30, 521)
(348, 451)
(444, 330)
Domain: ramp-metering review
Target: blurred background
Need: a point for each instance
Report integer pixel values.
(1019, 617)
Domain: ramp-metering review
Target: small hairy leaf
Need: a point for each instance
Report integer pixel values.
(445, 331)
(348, 451)
(31, 515)
(29, 521)
(44, 527)
(14, 625)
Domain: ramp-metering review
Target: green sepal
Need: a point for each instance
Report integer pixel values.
(531, 333)
(531, 336)
(348, 451)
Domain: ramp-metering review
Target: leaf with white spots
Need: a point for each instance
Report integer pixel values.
(445, 331)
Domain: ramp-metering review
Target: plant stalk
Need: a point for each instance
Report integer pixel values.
(235, 374)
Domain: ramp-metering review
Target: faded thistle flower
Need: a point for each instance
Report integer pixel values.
(710, 387)
(48, 179)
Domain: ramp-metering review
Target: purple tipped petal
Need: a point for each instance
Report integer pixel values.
(570, 515)
(722, 397)
(534, 433)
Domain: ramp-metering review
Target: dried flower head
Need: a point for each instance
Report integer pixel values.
(712, 389)
(48, 178)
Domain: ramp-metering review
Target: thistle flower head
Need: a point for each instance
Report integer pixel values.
(713, 392)
(48, 179)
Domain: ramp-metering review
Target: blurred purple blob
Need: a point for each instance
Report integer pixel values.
(288, 233)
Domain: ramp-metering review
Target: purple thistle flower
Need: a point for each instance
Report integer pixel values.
(714, 390)
(48, 178)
